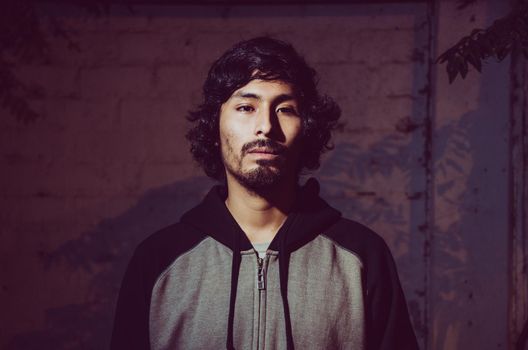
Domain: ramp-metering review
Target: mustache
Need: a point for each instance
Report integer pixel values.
(268, 144)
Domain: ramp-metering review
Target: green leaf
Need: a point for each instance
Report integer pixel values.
(462, 67)
(452, 70)
(474, 59)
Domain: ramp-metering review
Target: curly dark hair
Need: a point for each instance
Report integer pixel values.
(266, 59)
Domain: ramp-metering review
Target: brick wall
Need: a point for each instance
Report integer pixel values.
(107, 163)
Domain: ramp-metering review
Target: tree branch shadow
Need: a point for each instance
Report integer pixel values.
(101, 256)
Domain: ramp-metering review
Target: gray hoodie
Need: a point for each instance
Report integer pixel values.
(325, 283)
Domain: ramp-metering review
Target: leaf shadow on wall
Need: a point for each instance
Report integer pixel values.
(100, 256)
(348, 184)
(464, 193)
(452, 251)
(347, 174)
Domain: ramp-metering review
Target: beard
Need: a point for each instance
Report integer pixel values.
(265, 176)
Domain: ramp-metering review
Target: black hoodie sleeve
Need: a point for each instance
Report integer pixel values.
(387, 317)
(150, 259)
(388, 326)
(131, 318)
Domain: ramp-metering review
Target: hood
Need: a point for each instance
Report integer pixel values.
(310, 215)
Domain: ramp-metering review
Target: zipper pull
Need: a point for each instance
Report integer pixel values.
(261, 274)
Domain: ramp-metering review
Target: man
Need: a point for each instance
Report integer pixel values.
(261, 262)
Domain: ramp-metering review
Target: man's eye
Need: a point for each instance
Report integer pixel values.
(287, 110)
(245, 108)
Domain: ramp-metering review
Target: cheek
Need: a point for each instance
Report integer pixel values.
(228, 143)
(294, 131)
(225, 132)
(225, 144)
(230, 133)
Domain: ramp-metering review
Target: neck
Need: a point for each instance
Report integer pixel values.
(260, 215)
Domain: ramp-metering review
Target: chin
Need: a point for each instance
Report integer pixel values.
(259, 178)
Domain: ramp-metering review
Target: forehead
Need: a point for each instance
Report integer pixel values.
(265, 90)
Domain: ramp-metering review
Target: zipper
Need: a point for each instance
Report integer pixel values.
(261, 274)
(262, 264)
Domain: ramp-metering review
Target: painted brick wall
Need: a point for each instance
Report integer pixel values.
(107, 163)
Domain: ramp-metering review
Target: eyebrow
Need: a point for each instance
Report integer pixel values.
(279, 99)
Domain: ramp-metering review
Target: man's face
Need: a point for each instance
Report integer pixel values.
(260, 131)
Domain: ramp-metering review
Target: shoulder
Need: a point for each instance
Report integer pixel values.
(154, 254)
(176, 238)
(356, 237)
(361, 241)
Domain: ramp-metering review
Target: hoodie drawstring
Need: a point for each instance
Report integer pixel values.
(284, 260)
(235, 269)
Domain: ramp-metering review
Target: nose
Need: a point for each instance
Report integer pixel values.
(264, 122)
